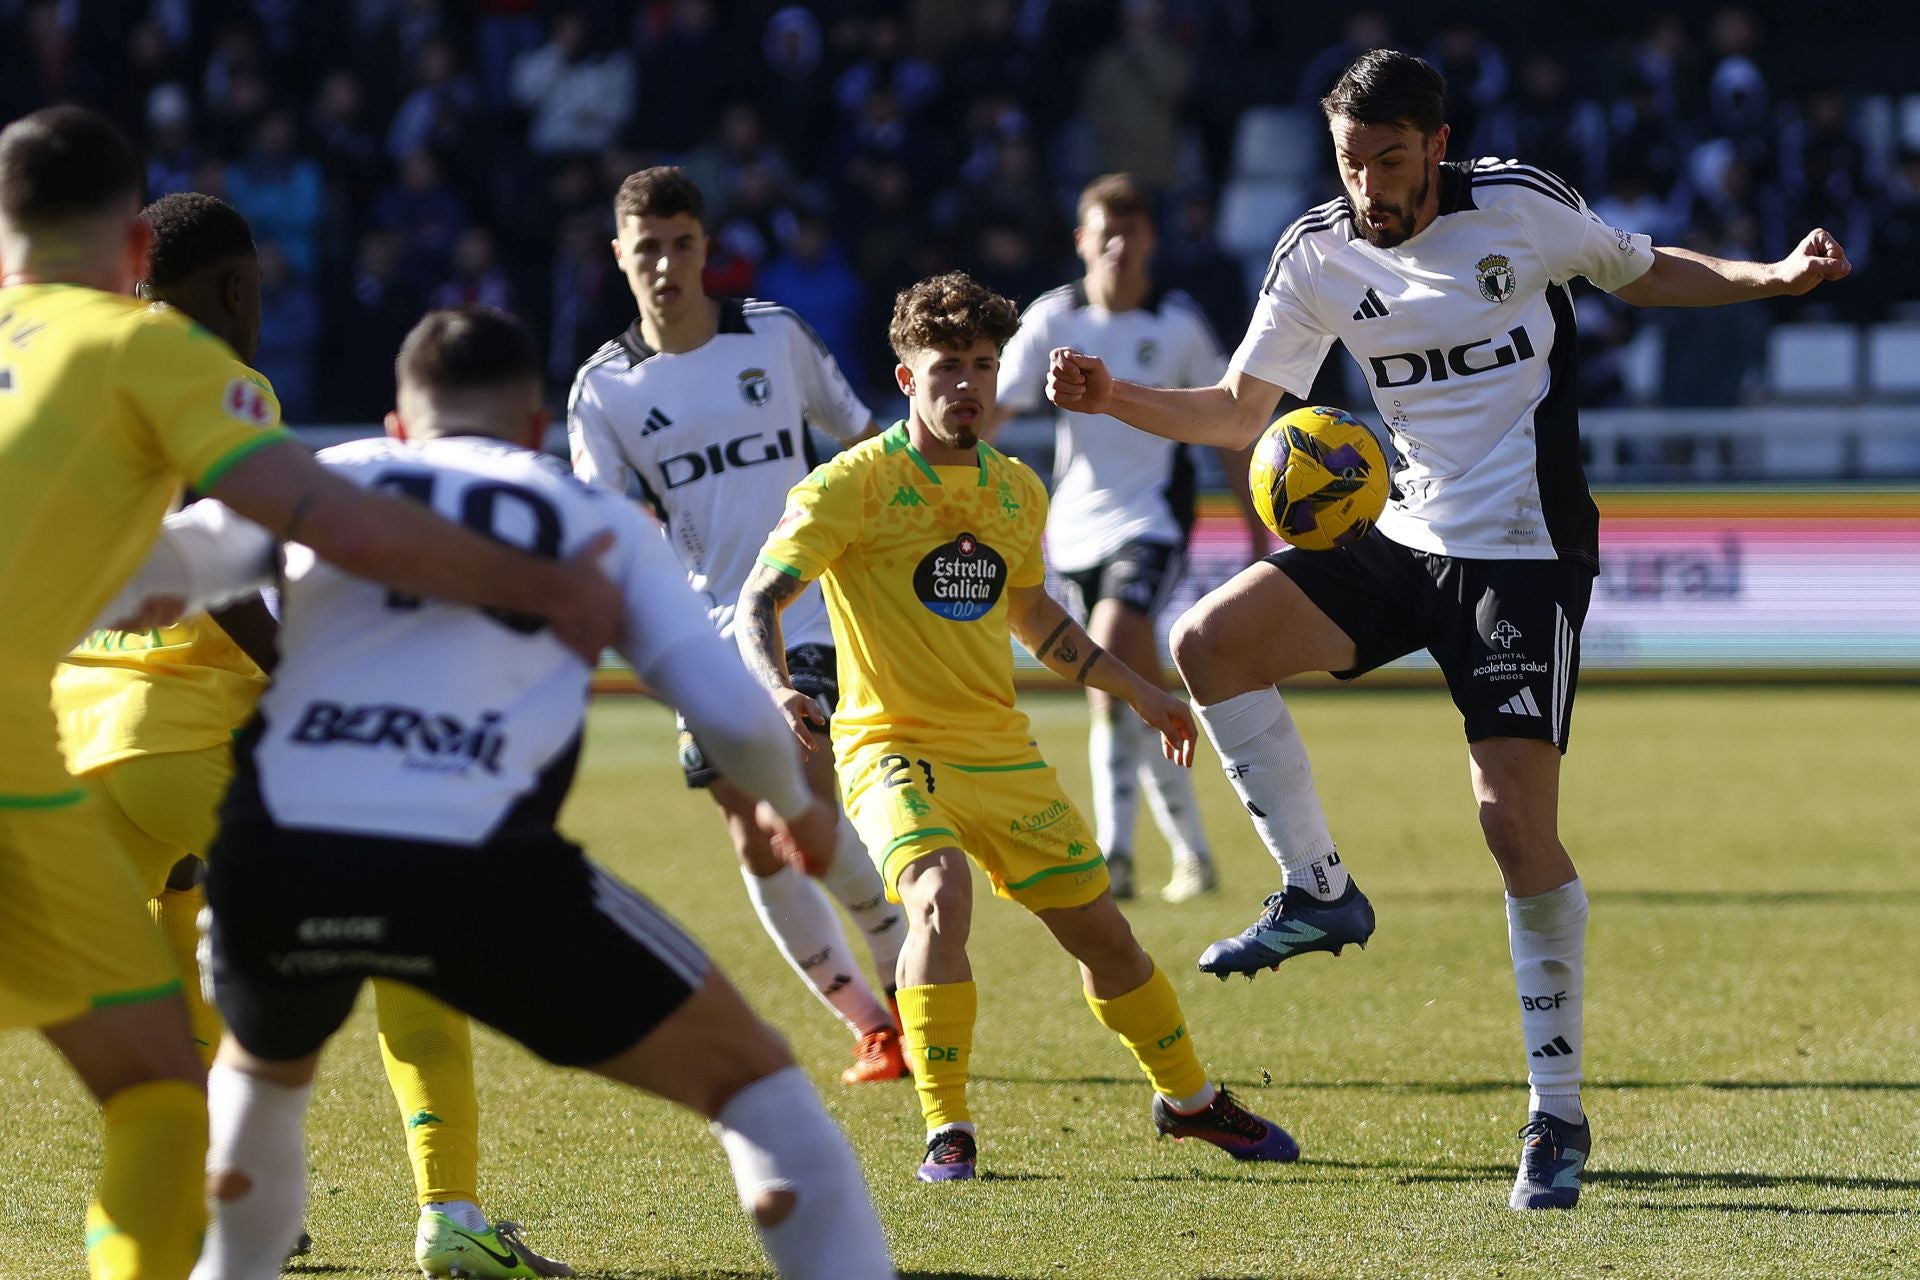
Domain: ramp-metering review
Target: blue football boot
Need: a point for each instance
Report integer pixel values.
(1554, 1154)
(1294, 922)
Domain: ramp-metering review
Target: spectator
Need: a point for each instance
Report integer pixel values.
(171, 156)
(1713, 354)
(477, 279)
(290, 330)
(1827, 176)
(280, 192)
(345, 142)
(579, 90)
(1364, 30)
(888, 68)
(683, 80)
(740, 169)
(1550, 127)
(1476, 75)
(502, 31)
(1132, 98)
(1644, 140)
(372, 315)
(1192, 260)
(814, 274)
(425, 212)
(793, 92)
(588, 302)
(439, 113)
(1895, 279)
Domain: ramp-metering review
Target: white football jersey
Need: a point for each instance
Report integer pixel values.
(1465, 333)
(1112, 483)
(716, 437)
(395, 716)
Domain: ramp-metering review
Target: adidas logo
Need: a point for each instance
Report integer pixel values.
(1521, 704)
(1371, 308)
(1556, 1048)
(656, 420)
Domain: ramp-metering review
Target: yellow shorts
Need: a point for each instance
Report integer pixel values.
(74, 916)
(160, 808)
(1013, 820)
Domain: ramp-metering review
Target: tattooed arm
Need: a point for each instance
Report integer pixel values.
(756, 629)
(1045, 630)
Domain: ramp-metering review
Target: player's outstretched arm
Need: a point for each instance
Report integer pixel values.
(1683, 278)
(1045, 630)
(404, 545)
(756, 629)
(1230, 415)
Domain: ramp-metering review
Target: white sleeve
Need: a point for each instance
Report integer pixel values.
(1202, 362)
(1570, 238)
(591, 440)
(1284, 345)
(206, 555)
(1023, 365)
(828, 398)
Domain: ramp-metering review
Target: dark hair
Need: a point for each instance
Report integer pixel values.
(1121, 194)
(466, 349)
(1385, 86)
(950, 312)
(64, 162)
(191, 232)
(659, 192)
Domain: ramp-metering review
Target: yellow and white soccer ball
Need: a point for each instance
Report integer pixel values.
(1319, 478)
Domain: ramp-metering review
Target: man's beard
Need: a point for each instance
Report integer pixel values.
(1399, 227)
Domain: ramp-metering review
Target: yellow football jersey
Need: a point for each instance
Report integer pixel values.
(136, 693)
(107, 406)
(915, 561)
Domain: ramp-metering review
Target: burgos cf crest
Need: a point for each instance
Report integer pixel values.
(1495, 274)
(757, 390)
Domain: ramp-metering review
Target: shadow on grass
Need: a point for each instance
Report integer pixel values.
(1792, 1210)
(994, 1175)
(1503, 1086)
(1641, 1179)
(1694, 897)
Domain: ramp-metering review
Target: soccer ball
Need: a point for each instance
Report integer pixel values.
(1319, 478)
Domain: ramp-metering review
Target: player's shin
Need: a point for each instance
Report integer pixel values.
(1547, 934)
(1169, 787)
(1149, 1022)
(799, 1182)
(428, 1051)
(1115, 745)
(1267, 764)
(149, 1208)
(856, 882)
(802, 923)
(937, 1025)
(256, 1175)
(177, 912)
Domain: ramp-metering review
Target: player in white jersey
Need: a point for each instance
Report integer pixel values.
(1123, 503)
(706, 403)
(1448, 283)
(403, 777)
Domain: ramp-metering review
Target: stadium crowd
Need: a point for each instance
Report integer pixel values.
(393, 155)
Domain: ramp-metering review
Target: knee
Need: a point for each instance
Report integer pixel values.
(1512, 836)
(939, 902)
(1192, 640)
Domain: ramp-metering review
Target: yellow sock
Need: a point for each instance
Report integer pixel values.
(428, 1049)
(177, 912)
(1149, 1021)
(149, 1209)
(937, 1025)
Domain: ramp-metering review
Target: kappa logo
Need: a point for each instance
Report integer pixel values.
(1504, 633)
(755, 387)
(1371, 308)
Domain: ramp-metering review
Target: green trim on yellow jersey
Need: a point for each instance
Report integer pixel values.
(1085, 864)
(996, 768)
(227, 461)
(783, 567)
(171, 987)
(895, 439)
(58, 800)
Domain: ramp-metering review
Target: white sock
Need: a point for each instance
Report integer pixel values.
(1169, 788)
(856, 882)
(1195, 1102)
(1547, 934)
(780, 1143)
(256, 1172)
(803, 925)
(464, 1213)
(1113, 750)
(1267, 764)
(964, 1126)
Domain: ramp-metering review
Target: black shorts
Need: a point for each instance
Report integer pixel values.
(524, 933)
(1506, 633)
(1140, 575)
(810, 668)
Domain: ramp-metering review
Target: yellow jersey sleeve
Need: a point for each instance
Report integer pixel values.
(1032, 569)
(823, 517)
(204, 409)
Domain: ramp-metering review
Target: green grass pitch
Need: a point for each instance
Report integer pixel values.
(1753, 1035)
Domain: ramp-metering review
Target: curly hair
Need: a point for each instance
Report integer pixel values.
(950, 312)
(192, 231)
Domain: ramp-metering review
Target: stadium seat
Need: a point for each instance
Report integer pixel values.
(1813, 361)
(1254, 211)
(1278, 142)
(1893, 361)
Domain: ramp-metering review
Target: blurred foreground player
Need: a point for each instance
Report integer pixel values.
(1448, 282)
(927, 545)
(403, 775)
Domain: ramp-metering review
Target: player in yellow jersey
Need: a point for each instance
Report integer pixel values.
(106, 408)
(146, 719)
(926, 542)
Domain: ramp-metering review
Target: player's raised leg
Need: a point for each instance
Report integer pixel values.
(1133, 999)
(1232, 647)
(1516, 783)
(938, 1002)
